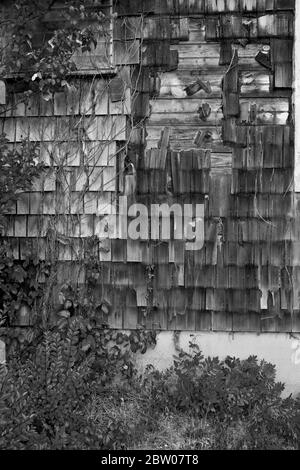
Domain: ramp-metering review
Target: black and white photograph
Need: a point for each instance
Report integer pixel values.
(149, 228)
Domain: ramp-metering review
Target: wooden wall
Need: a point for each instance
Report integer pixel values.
(205, 116)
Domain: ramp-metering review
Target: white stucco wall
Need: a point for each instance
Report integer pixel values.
(280, 349)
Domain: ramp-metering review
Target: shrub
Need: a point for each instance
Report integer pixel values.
(41, 397)
(50, 381)
(72, 387)
(240, 399)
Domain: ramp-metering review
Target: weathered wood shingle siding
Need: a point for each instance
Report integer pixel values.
(228, 145)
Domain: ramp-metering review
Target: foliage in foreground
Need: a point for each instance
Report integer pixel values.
(60, 396)
(46, 386)
(233, 403)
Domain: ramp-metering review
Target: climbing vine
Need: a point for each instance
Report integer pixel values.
(44, 56)
(39, 51)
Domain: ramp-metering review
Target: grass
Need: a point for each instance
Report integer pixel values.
(141, 429)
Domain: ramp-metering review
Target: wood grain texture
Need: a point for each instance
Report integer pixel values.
(236, 159)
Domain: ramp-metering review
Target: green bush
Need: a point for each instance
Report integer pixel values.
(41, 398)
(48, 385)
(77, 388)
(240, 400)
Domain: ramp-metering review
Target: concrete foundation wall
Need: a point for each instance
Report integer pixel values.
(282, 350)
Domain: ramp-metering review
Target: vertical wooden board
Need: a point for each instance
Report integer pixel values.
(109, 179)
(134, 251)
(184, 29)
(75, 203)
(49, 203)
(282, 55)
(285, 24)
(219, 195)
(49, 180)
(100, 96)
(68, 154)
(284, 4)
(212, 28)
(20, 226)
(127, 28)
(267, 25)
(231, 27)
(36, 202)
(131, 311)
(246, 322)
(86, 101)
(105, 128)
(119, 249)
(104, 250)
(8, 109)
(126, 53)
(23, 204)
(163, 147)
(226, 52)
(222, 321)
(115, 317)
(47, 129)
(15, 105)
(7, 229)
(176, 251)
(60, 103)
(215, 6)
(186, 321)
(99, 59)
(73, 98)
(231, 88)
(94, 97)
(142, 317)
(35, 129)
(203, 321)
(276, 324)
(156, 28)
(153, 319)
(100, 153)
(9, 128)
(33, 105)
(115, 129)
(249, 5)
(159, 319)
(116, 89)
(270, 5)
(87, 225)
(123, 106)
(46, 106)
(233, 5)
(197, 6)
(140, 106)
(296, 322)
(95, 177)
(90, 203)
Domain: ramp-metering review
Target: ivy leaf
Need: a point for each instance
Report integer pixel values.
(36, 75)
(18, 274)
